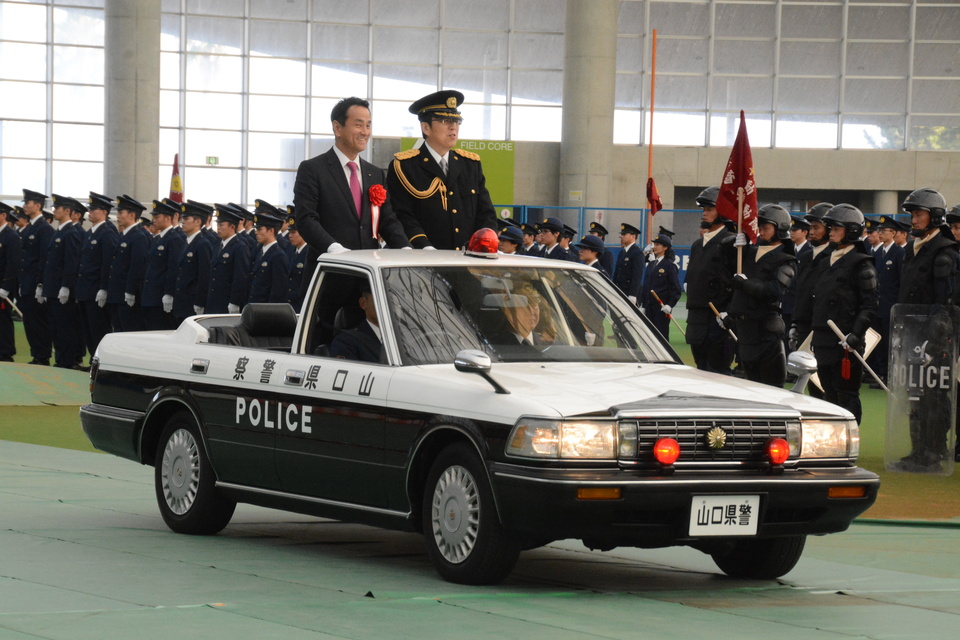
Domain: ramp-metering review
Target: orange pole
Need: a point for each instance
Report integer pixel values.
(653, 79)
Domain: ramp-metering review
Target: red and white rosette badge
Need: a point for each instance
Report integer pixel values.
(378, 195)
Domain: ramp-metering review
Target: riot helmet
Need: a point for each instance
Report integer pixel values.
(954, 214)
(708, 198)
(815, 214)
(778, 216)
(848, 217)
(929, 200)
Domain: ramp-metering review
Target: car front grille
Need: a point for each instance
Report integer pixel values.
(744, 439)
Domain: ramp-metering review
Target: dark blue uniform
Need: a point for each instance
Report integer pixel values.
(193, 277)
(628, 275)
(297, 263)
(606, 261)
(96, 253)
(229, 277)
(889, 264)
(10, 249)
(60, 270)
(268, 280)
(556, 253)
(36, 238)
(126, 276)
(660, 276)
(160, 278)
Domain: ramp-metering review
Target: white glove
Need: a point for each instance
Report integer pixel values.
(430, 247)
(793, 338)
(39, 294)
(167, 302)
(336, 247)
(407, 247)
(4, 293)
(720, 318)
(198, 310)
(232, 308)
(648, 248)
(130, 299)
(101, 298)
(742, 276)
(632, 299)
(64, 295)
(666, 309)
(741, 240)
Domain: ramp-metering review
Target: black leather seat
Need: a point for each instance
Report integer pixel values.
(262, 325)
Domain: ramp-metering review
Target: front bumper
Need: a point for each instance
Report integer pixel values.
(655, 511)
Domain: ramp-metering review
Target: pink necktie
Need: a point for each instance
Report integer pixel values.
(355, 187)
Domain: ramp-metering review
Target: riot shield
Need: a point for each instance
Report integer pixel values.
(921, 405)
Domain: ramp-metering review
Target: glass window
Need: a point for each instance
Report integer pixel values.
(403, 83)
(169, 32)
(214, 35)
(226, 146)
(936, 96)
(74, 103)
(422, 13)
(536, 123)
(681, 129)
(285, 10)
(539, 15)
(940, 133)
(320, 109)
(169, 108)
(741, 19)
(810, 58)
(279, 76)
(169, 70)
(630, 54)
(77, 64)
(274, 151)
(872, 132)
(287, 39)
(23, 22)
(213, 110)
(742, 92)
(214, 73)
(818, 95)
(878, 23)
(724, 127)
(277, 113)
(77, 177)
(341, 42)
(23, 139)
(78, 26)
(475, 49)
(627, 126)
(477, 85)
(811, 21)
(537, 51)
(630, 18)
(682, 56)
(681, 92)
(216, 7)
(338, 79)
(77, 142)
(208, 184)
(743, 56)
(416, 46)
(876, 96)
(537, 87)
(680, 18)
(15, 173)
(483, 122)
(348, 11)
(938, 23)
(940, 59)
(169, 144)
(390, 118)
(807, 132)
(23, 61)
(493, 15)
(630, 89)
(877, 58)
(276, 187)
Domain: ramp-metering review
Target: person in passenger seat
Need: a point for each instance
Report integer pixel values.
(363, 342)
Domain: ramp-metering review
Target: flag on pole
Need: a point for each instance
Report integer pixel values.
(176, 185)
(653, 197)
(738, 186)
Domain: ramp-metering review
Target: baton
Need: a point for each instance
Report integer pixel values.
(836, 330)
(720, 318)
(670, 316)
(13, 306)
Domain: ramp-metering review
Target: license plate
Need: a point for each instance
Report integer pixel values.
(724, 515)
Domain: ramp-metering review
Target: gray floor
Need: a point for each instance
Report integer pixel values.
(84, 554)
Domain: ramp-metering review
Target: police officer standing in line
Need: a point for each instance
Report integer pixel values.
(297, 262)
(929, 277)
(846, 292)
(628, 275)
(36, 237)
(530, 246)
(606, 257)
(799, 229)
(566, 237)
(710, 279)
(660, 277)
(591, 250)
(550, 230)
(511, 239)
(160, 277)
(10, 248)
(439, 193)
(127, 266)
(96, 253)
(193, 265)
(808, 271)
(889, 263)
(60, 270)
(268, 280)
(230, 268)
(768, 269)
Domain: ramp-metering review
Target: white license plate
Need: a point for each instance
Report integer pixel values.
(724, 515)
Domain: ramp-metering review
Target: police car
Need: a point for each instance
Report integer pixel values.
(504, 403)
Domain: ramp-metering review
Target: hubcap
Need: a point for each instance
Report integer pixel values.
(180, 471)
(455, 514)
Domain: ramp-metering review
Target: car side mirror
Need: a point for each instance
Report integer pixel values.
(803, 365)
(476, 361)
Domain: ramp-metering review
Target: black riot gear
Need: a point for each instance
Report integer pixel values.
(708, 197)
(817, 211)
(848, 217)
(930, 200)
(778, 216)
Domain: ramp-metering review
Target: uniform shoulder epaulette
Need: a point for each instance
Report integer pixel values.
(469, 155)
(409, 153)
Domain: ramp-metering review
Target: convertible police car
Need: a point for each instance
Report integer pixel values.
(493, 403)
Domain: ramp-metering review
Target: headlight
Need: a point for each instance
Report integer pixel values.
(830, 439)
(571, 439)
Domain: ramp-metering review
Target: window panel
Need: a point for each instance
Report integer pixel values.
(743, 56)
(30, 102)
(941, 133)
(675, 128)
(348, 11)
(739, 19)
(630, 89)
(169, 108)
(937, 23)
(339, 79)
(422, 13)
(539, 15)
(277, 113)
(78, 64)
(875, 96)
(169, 144)
(393, 119)
(169, 70)
(811, 21)
(878, 23)
(538, 124)
(682, 56)
(483, 122)
(630, 18)
(681, 92)
(392, 82)
(680, 18)
(319, 144)
(817, 95)
(214, 73)
(416, 46)
(78, 104)
(23, 139)
(77, 177)
(741, 93)
(537, 87)
(626, 126)
(941, 60)
(807, 132)
(872, 132)
(23, 61)
(170, 6)
(285, 10)
(214, 35)
(340, 42)
(475, 49)
(276, 187)
(78, 26)
(81, 3)
(537, 51)
(936, 96)
(724, 127)
(276, 75)
(877, 58)
(810, 58)
(478, 85)
(216, 7)
(272, 151)
(213, 110)
(23, 22)
(77, 142)
(225, 145)
(320, 121)
(210, 184)
(169, 32)
(14, 174)
(285, 39)
(630, 54)
(493, 15)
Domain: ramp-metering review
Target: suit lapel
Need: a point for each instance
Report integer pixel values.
(340, 179)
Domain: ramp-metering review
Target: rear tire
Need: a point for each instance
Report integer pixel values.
(184, 481)
(465, 540)
(760, 559)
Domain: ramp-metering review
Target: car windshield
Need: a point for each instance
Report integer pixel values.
(515, 314)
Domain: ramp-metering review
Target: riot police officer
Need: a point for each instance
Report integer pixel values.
(808, 268)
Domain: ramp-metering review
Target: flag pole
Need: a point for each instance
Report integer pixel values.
(653, 79)
(739, 228)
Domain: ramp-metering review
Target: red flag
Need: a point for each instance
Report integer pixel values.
(176, 185)
(653, 197)
(738, 178)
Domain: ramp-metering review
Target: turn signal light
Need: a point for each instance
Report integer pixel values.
(666, 451)
(778, 450)
(598, 493)
(846, 492)
(484, 243)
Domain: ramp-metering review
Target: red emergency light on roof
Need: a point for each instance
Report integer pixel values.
(484, 243)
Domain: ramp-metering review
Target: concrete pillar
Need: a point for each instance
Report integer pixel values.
(132, 119)
(589, 86)
(886, 202)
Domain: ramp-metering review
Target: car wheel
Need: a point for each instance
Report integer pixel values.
(465, 540)
(760, 559)
(185, 484)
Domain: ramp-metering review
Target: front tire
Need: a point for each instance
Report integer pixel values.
(760, 559)
(185, 483)
(465, 540)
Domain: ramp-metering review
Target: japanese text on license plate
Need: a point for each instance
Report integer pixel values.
(724, 515)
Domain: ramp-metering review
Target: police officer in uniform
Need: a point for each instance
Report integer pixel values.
(550, 230)
(439, 193)
(160, 277)
(193, 265)
(768, 269)
(808, 269)
(628, 275)
(710, 279)
(846, 292)
(511, 239)
(530, 246)
(96, 253)
(127, 266)
(10, 248)
(889, 263)
(799, 230)
(606, 257)
(268, 280)
(566, 237)
(36, 237)
(661, 278)
(60, 270)
(591, 251)
(297, 262)
(230, 268)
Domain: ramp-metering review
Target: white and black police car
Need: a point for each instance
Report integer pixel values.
(493, 403)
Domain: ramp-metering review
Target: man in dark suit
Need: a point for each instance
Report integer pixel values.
(160, 277)
(58, 294)
(363, 342)
(332, 193)
(10, 247)
(193, 265)
(36, 237)
(96, 252)
(268, 278)
(628, 275)
(125, 286)
(229, 268)
(440, 193)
